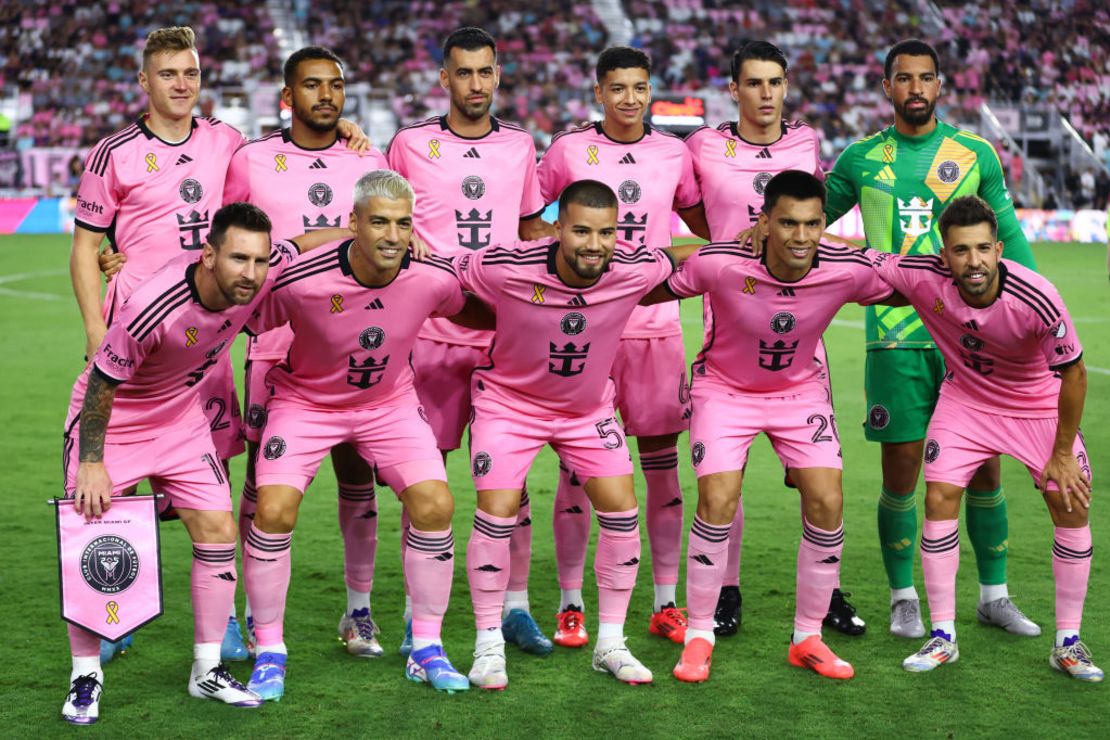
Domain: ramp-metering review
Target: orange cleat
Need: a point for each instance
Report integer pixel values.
(571, 629)
(670, 623)
(697, 656)
(814, 654)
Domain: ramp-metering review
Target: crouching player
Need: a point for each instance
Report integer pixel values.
(355, 308)
(757, 374)
(1015, 386)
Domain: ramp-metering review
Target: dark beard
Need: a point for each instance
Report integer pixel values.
(918, 119)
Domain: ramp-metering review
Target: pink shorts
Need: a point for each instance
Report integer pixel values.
(650, 375)
(504, 442)
(442, 379)
(961, 439)
(396, 437)
(181, 463)
(258, 393)
(221, 407)
(801, 427)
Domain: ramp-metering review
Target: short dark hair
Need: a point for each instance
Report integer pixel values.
(621, 57)
(240, 215)
(308, 53)
(911, 48)
(468, 38)
(793, 184)
(968, 210)
(764, 51)
(589, 193)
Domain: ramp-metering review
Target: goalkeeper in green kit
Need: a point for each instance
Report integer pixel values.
(902, 178)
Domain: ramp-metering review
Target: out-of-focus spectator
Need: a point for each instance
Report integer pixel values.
(74, 169)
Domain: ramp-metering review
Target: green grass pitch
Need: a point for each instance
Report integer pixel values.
(1002, 684)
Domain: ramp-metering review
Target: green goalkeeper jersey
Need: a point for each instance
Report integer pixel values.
(902, 184)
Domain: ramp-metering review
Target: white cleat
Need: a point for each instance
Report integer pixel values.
(488, 671)
(905, 619)
(1005, 614)
(82, 705)
(360, 632)
(219, 684)
(937, 651)
(1075, 660)
(619, 661)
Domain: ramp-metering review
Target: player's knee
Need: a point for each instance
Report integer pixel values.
(717, 500)
(942, 502)
(823, 508)
(988, 477)
(274, 517)
(901, 466)
(213, 527)
(656, 443)
(1061, 517)
(430, 505)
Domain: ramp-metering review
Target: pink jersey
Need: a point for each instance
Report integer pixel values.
(153, 198)
(301, 190)
(1001, 359)
(351, 342)
(555, 344)
(765, 330)
(651, 176)
(470, 193)
(161, 344)
(733, 172)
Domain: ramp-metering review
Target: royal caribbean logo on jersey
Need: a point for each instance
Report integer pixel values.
(573, 323)
(473, 187)
(629, 192)
(274, 448)
(109, 564)
(915, 217)
(319, 194)
(482, 464)
(190, 191)
(371, 338)
(782, 322)
(759, 183)
(948, 171)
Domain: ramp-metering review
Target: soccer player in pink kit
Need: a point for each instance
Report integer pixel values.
(733, 164)
(355, 309)
(757, 374)
(561, 307)
(136, 413)
(303, 177)
(1015, 385)
(475, 182)
(651, 172)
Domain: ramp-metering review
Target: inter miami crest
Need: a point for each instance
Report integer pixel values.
(948, 171)
(759, 183)
(629, 192)
(482, 464)
(274, 448)
(256, 416)
(782, 322)
(573, 323)
(972, 343)
(932, 451)
(697, 453)
(319, 194)
(190, 191)
(473, 187)
(878, 417)
(372, 338)
(109, 564)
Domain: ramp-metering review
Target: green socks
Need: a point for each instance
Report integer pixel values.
(989, 531)
(898, 536)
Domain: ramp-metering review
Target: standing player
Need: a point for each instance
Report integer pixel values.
(1016, 386)
(135, 413)
(651, 173)
(733, 163)
(303, 177)
(756, 375)
(902, 177)
(475, 182)
(355, 309)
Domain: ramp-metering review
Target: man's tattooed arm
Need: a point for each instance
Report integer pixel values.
(94, 417)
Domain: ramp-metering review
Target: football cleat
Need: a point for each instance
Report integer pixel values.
(669, 622)
(406, 642)
(842, 615)
(1074, 659)
(619, 661)
(360, 633)
(1005, 614)
(109, 650)
(726, 620)
(219, 684)
(521, 629)
(268, 677)
(570, 631)
(812, 653)
(937, 651)
(232, 648)
(905, 619)
(693, 666)
(430, 665)
(488, 671)
(82, 704)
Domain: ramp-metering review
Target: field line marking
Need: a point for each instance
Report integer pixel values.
(34, 295)
(1099, 370)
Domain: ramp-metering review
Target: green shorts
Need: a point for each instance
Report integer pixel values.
(902, 386)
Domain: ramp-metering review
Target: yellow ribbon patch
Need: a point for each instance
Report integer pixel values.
(537, 292)
(938, 307)
(730, 148)
(279, 163)
(113, 612)
(190, 336)
(888, 153)
(591, 154)
(749, 285)
(151, 162)
(433, 149)
(337, 303)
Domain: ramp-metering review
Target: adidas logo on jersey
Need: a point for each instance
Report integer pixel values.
(786, 292)
(472, 153)
(184, 159)
(764, 153)
(375, 304)
(578, 300)
(224, 326)
(318, 164)
(627, 159)
(973, 325)
(885, 174)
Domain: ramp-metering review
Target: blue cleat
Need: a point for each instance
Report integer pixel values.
(233, 648)
(430, 665)
(406, 644)
(109, 650)
(268, 677)
(521, 630)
